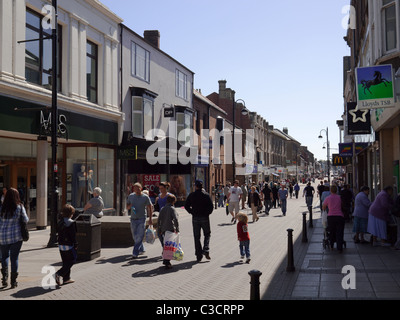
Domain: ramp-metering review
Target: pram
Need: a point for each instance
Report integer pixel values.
(326, 243)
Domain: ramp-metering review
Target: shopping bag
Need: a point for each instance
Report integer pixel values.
(150, 235)
(178, 254)
(171, 245)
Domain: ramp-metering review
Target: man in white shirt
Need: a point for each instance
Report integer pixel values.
(234, 197)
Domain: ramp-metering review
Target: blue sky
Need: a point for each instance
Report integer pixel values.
(283, 58)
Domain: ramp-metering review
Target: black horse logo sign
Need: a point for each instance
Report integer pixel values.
(378, 79)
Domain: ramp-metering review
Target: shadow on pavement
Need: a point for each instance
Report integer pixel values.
(162, 270)
(30, 292)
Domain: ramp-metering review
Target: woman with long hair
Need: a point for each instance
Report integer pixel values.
(12, 211)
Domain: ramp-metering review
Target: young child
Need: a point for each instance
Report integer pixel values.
(243, 236)
(67, 244)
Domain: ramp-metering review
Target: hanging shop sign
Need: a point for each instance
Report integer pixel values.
(375, 87)
(358, 121)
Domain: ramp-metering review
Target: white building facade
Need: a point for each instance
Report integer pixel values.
(88, 102)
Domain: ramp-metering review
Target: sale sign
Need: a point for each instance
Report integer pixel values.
(151, 182)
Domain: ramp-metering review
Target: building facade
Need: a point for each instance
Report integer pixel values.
(88, 105)
(157, 99)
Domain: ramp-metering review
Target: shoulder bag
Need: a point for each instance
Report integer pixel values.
(24, 228)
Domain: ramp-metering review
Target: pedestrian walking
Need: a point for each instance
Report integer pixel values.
(267, 196)
(160, 203)
(244, 194)
(275, 197)
(67, 244)
(291, 190)
(168, 221)
(139, 204)
(379, 216)
(243, 236)
(95, 205)
(234, 197)
(254, 202)
(335, 219)
(12, 211)
(347, 201)
(283, 195)
(308, 192)
(200, 206)
(320, 190)
(361, 207)
(296, 190)
(221, 196)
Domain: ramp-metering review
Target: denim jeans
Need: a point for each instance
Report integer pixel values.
(10, 251)
(283, 205)
(244, 247)
(138, 229)
(200, 223)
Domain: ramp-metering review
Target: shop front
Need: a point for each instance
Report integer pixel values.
(86, 157)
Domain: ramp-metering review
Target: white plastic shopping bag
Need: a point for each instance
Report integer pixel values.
(171, 246)
(150, 235)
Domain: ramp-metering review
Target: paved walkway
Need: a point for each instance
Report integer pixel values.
(317, 276)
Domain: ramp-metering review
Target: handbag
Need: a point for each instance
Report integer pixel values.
(24, 228)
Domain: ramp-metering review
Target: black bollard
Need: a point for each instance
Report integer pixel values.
(304, 239)
(255, 284)
(311, 219)
(290, 262)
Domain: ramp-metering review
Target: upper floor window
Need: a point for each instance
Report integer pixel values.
(39, 53)
(92, 71)
(389, 25)
(140, 62)
(181, 85)
(142, 112)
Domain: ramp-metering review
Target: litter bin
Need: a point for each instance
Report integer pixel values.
(88, 236)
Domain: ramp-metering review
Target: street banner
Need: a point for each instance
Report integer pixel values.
(358, 121)
(375, 87)
(346, 149)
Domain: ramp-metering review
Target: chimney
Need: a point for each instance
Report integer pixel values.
(222, 85)
(285, 130)
(152, 37)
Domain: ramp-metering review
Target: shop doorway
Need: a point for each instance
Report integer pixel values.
(21, 176)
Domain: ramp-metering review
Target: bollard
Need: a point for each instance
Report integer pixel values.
(290, 262)
(304, 239)
(255, 284)
(311, 219)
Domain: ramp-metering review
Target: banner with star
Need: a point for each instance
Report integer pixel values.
(358, 121)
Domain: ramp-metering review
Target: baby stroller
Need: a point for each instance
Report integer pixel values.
(326, 242)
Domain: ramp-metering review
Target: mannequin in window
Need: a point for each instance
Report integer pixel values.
(81, 187)
(90, 183)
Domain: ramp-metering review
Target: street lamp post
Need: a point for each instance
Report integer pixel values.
(327, 152)
(244, 113)
(54, 128)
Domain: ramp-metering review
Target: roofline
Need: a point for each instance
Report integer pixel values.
(123, 26)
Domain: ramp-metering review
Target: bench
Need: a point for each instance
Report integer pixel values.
(116, 231)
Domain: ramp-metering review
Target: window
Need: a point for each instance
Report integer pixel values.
(91, 71)
(142, 116)
(389, 25)
(38, 54)
(184, 122)
(140, 62)
(181, 85)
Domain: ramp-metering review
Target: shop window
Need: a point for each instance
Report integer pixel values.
(87, 168)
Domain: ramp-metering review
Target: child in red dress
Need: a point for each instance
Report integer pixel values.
(243, 236)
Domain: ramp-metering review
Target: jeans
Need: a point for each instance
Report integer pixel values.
(10, 251)
(309, 201)
(138, 228)
(283, 206)
(200, 223)
(68, 259)
(244, 247)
